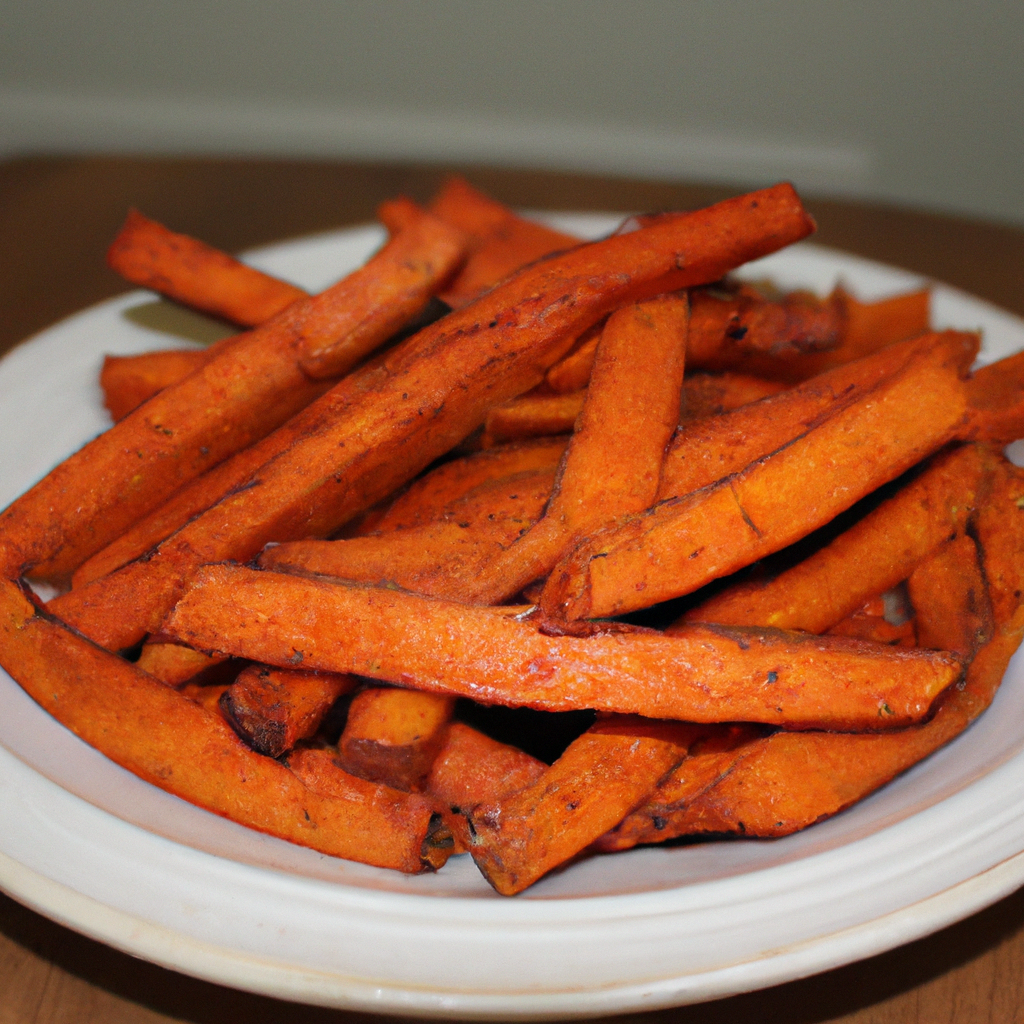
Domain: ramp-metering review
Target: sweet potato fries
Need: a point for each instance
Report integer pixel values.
(298, 578)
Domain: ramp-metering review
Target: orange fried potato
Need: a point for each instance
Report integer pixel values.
(437, 557)
(703, 674)
(599, 779)
(196, 274)
(873, 555)
(443, 378)
(681, 544)
(172, 742)
(471, 768)
(392, 735)
(273, 708)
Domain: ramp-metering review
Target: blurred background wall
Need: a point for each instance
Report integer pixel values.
(919, 102)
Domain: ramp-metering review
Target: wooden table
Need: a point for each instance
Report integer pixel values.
(56, 218)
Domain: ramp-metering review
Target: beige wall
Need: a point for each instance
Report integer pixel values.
(907, 100)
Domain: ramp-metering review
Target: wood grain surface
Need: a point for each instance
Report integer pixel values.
(57, 217)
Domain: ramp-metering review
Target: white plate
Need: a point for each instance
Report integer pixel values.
(91, 846)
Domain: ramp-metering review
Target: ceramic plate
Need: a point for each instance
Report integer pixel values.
(91, 846)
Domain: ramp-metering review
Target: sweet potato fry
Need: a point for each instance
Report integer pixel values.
(868, 327)
(501, 240)
(386, 294)
(608, 470)
(949, 595)
(599, 779)
(174, 664)
(873, 555)
(169, 740)
(995, 401)
(681, 544)
(128, 381)
(715, 447)
(788, 781)
(725, 329)
(711, 394)
(572, 371)
(538, 414)
(791, 780)
(249, 388)
(197, 275)
(206, 490)
(392, 735)
(708, 759)
(432, 558)
(788, 340)
(706, 674)
(432, 495)
(533, 415)
(273, 708)
(430, 392)
(471, 768)
(403, 823)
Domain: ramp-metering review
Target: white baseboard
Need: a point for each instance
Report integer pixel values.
(32, 122)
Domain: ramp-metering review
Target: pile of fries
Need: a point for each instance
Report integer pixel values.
(738, 557)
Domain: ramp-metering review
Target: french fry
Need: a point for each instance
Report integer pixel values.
(868, 327)
(533, 415)
(431, 496)
(715, 447)
(196, 274)
(995, 401)
(789, 340)
(273, 708)
(249, 388)
(502, 241)
(471, 768)
(392, 735)
(788, 781)
(386, 294)
(599, 779)
(430, 392)
(538, 414)
(949, 595)
(402, 826)
(174, 743)
(725, 329)
(432, 558)
(709, 758)
(608, 470)
(128, 381)
(712, 394)
(705, 674)
(572, 371)
(174, 664)
(791, 780)
(873, 555)
(681, 544)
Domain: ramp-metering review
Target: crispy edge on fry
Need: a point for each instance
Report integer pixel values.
(392, 735)
(273, 708)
